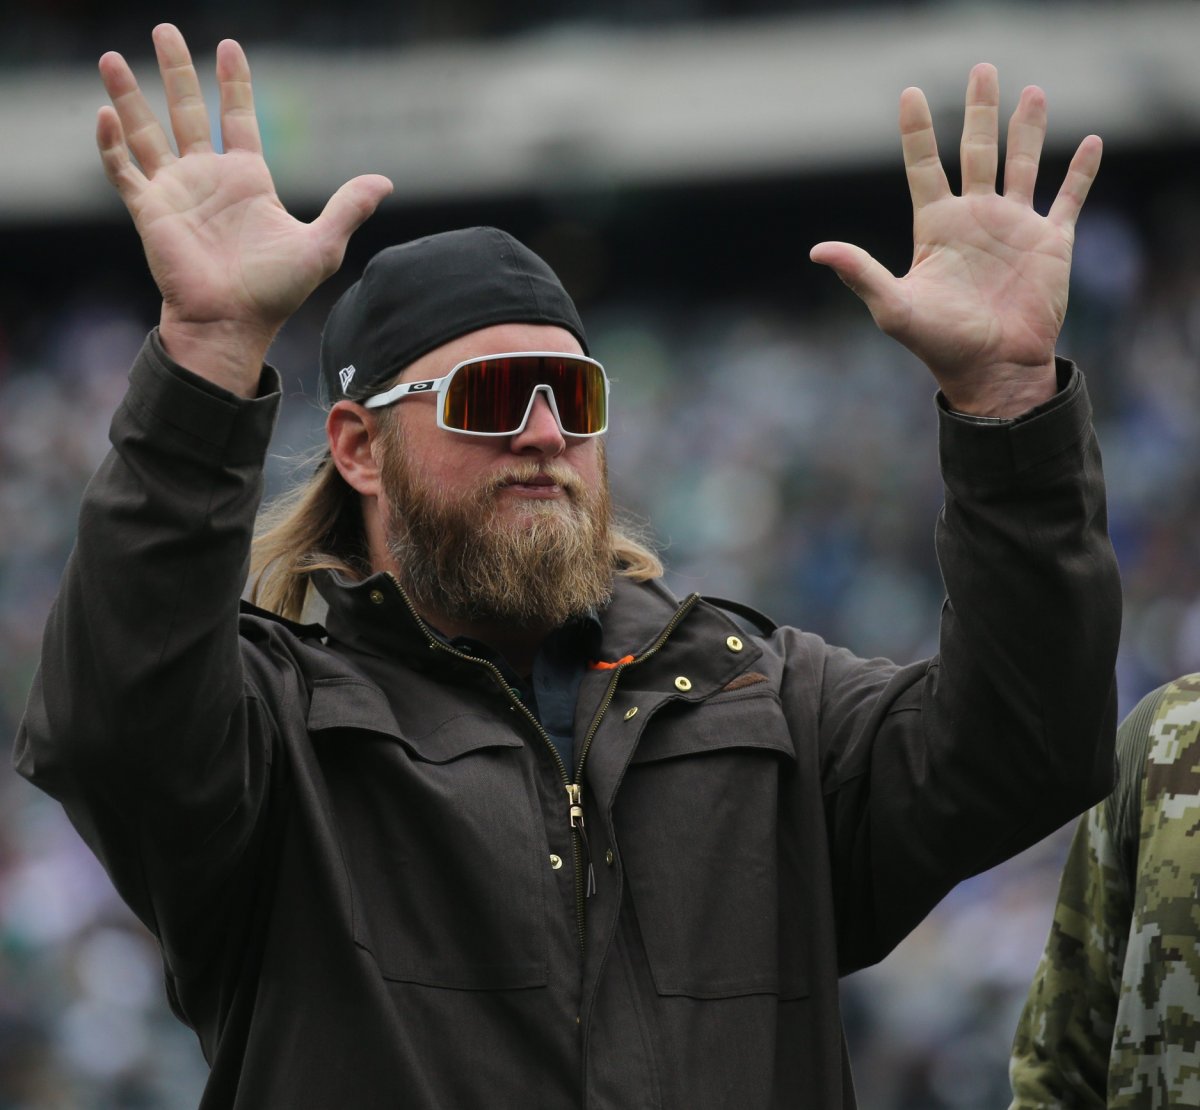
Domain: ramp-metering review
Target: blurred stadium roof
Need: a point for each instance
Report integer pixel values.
(578, 107)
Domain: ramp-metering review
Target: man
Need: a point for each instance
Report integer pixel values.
(517, 827)
(1112, 1015)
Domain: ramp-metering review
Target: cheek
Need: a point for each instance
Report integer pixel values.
(458, 463)
(588, 462)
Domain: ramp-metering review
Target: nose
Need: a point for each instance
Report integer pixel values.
(541, 434)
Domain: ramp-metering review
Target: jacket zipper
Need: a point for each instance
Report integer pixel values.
(584, 888)
(577, 797)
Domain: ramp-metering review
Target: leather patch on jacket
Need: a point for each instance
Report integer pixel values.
(750, 678)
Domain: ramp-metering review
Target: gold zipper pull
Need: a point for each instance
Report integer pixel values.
(575, 797)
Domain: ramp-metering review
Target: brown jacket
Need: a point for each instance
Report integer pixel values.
(356, 847)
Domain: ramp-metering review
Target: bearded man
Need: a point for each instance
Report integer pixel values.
(514, 827)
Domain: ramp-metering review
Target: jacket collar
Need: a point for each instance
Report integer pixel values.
(371, 615)
(375, 618)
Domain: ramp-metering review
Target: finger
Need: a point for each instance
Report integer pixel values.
(1080, 175)
(114, 155)
(866, 277)
(1026, 133)
(346, 211)
(239, 124)
(185, 102)
(977, 153)
(926, 177)
(143, 133)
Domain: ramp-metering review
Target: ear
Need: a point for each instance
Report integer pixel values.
(351, 431)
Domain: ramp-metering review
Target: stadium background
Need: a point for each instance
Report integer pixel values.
(674, 159)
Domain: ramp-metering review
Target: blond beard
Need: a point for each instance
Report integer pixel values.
(468, 559)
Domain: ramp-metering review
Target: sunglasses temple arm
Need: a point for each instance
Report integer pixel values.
(399, 392)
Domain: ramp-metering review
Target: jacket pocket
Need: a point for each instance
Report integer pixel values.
(441, 838)
(696, 817)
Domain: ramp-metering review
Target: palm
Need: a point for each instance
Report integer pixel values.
(986, 295)
(988, 284)
(221, 245)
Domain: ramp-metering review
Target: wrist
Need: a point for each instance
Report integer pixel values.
(1003, 395)
(227, 353)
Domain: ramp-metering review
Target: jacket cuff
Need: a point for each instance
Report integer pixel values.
(969, 448)
(203, 420)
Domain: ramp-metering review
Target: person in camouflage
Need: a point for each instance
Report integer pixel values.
(1113, 1015)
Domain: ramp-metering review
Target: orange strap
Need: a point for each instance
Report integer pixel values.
(601, 665)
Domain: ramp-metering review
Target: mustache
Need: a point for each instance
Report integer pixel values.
(524, 473)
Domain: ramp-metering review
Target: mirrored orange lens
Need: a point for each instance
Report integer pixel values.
(491, 395)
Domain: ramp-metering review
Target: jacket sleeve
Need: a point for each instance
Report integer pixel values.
(139, 720)
(938, 770)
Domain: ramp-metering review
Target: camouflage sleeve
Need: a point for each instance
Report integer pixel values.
(1113, 1015)
(1063, 1041)
(1060, 1052)
(1155, 1060)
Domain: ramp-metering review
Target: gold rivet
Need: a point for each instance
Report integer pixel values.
(734, 644)
(376, 597)
(555, 862)
(683, 683)
(631, 712)
(609, 857)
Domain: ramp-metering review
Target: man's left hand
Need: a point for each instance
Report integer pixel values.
(984, 300)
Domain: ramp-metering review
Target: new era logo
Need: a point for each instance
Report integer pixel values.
(346, 373)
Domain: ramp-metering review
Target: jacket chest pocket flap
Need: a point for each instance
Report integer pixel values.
(697, 820)
(440, 833)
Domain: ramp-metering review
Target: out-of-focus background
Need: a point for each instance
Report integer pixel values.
(675, 160)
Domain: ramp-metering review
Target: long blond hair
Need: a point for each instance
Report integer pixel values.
(318, 525)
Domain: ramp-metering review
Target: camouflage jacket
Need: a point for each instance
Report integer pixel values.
(1113, 1015)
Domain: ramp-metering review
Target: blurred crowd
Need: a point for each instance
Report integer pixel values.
(73, 29)
(787, 459)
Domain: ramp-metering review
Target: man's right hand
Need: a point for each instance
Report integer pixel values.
(231, 264)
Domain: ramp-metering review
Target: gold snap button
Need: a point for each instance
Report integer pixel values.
(609, 857)
(376, 597)
(683, 683)
(555, 862)
(734, 644)
(631, 712)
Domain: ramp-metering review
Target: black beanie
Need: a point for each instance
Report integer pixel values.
(416, 296)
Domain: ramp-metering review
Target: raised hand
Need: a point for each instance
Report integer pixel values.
(984, 300)
(231, 264)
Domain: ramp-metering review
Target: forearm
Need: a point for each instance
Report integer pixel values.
(140, 661)
(957, 764)
(1031, 631)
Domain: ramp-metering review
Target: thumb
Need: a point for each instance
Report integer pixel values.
(866, 277)
(347, 210)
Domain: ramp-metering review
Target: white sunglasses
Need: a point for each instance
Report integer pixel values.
(493, 395)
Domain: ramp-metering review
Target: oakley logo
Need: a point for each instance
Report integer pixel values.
(346, 373)
(420, 387)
